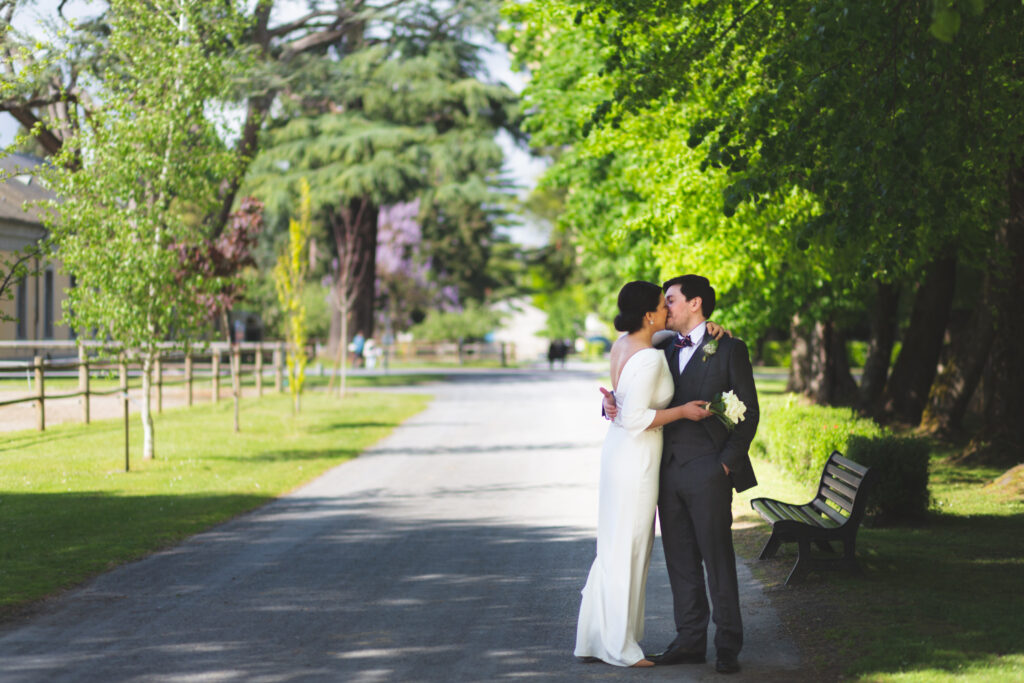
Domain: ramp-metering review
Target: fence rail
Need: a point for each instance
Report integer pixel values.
(172, 367)
(91, 360)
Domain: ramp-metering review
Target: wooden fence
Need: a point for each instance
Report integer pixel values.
(210, 363)
(172, 368)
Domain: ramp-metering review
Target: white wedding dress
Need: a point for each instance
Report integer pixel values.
(611, 618)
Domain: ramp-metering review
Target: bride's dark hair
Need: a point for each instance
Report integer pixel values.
(635, 299)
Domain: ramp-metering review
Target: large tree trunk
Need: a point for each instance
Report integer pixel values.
(965, 354)
(883, 337)
(819, 365)
(799, 357)
(907, 390)
(363, 308)
(1003, 427)
(830, 380)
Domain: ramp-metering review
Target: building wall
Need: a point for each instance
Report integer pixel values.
(40, 296)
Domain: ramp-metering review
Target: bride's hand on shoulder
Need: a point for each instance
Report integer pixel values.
(696, 411)
(717, 331)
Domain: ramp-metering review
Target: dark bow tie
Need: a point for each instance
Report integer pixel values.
(683, 342)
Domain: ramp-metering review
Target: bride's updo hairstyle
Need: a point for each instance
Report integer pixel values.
(635, 299)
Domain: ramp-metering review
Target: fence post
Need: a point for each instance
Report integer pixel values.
(259, 368)
(159, 383)
(278, 370)
(236, 379)
(37, 362)
(83, 380)
(188, 376)
(122, 369)
(215, 364)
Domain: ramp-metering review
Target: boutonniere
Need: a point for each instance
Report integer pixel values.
(709, 349)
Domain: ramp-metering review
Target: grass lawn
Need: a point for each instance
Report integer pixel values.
(69, 511)
(939, 601)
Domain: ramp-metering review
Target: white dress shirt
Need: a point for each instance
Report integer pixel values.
(696, 336)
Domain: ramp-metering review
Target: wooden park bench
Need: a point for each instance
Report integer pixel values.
(833, 515)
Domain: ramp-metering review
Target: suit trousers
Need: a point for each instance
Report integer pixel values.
(695, 513)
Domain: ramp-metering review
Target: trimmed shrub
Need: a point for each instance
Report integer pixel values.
(801, 437)
(900, 490)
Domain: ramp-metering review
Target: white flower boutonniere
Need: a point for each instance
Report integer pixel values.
(709, 349)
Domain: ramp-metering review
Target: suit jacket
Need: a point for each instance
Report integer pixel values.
(727, 369)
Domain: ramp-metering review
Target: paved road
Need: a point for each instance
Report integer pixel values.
(453, 551)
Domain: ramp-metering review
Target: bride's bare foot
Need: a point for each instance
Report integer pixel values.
(643, 663)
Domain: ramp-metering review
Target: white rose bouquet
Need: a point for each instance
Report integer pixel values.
(728, 408)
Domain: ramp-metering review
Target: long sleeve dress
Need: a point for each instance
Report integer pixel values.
(611, 620)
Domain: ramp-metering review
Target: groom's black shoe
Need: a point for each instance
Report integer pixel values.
(678, 655)
(726, 662)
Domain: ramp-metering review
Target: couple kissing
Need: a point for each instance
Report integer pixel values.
(662, 451)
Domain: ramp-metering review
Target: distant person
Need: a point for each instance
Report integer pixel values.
(357, 347)
(557, 351)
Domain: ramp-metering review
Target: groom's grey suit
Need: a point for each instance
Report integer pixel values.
(695, 496)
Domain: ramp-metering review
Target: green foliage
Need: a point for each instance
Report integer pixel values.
(406, 114)
(900, 464)
(566, 313)
(145, 165)
(642, 202)
(800, 438)
(776, 354)
(290, 283)
(474, 322)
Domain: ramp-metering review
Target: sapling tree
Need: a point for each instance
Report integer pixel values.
(136, 180)
(289, 281)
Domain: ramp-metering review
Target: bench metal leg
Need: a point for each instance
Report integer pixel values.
(850, 554)
(803, 563)
(770, 547)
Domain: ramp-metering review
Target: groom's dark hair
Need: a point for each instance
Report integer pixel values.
(695, 285)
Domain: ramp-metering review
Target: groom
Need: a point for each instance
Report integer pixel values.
(701, 463)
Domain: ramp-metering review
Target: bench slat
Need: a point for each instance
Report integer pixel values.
(833, 514)
(798, 514)
(785, 511)
(840, 487)
(851, 478)
(849, 464)
(835, 498)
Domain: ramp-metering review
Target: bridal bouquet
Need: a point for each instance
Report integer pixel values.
(728, 408)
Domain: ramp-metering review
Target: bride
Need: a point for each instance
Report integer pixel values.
(611, 620)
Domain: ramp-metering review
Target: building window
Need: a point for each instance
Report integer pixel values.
(22, 309)
(48, 305)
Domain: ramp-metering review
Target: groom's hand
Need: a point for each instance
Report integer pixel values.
(608, 407)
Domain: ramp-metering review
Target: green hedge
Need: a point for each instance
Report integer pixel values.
(800, 438)
(900, 490)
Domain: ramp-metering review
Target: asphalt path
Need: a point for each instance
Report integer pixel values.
(454, 550)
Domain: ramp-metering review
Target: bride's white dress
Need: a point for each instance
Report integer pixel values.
(612, 612)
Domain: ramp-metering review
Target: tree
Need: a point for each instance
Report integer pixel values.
(884, 129)
(290, 281)
(349, 268)
(402, 116)
(135, 176)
